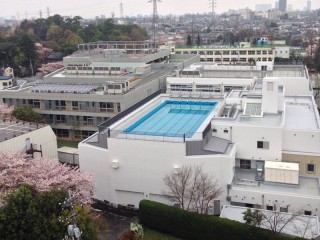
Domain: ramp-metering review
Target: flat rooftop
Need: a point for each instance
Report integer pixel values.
(301, 113)
(270, 120)
(11, 129)
(245, 180)
(157, 118)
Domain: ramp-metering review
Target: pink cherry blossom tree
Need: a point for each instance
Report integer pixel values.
(5, 111)
(43, 174)
(49, 68)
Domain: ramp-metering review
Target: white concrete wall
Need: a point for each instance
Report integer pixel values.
(42, 136)
(296, 203)
(270, 97)
(246, 138)
(142, 167)
(296, 86)
(282, 52)
(301, 141)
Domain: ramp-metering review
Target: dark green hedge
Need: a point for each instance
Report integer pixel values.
(187, 225)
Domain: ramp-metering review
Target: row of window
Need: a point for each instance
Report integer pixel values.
(241, 52)
(285, 209)
(61, 105)
(246, 164)
(236, 59)
(64, 133)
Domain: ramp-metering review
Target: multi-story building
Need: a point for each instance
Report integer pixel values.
(258, 133)
(95, 85)
(283, 5)
(230, 55)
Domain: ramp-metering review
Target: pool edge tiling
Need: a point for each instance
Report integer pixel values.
(172, 118)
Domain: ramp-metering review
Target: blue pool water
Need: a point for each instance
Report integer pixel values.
(173, 118)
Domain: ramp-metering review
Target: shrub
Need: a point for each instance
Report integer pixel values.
(189, 225)
(27, 114)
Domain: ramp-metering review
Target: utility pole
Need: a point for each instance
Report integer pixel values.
(212, 4)
(154, 21)
(48, 12)
(121, 10)
(73, 231)
(40, 14)
(31, 67)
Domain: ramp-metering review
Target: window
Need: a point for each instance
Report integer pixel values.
(60, 105)
(214, 130)
(270, 52)
(262, 145)
(234, 52)
(210, 53)
(253, 109)
(264, 52)
(245, 164)
(269, 59)
(307, 213)
(270, 86)
(243, 52)
(226, 52)
(310, 168)
(75, 105)
(243, 59)
(217, 53)
(225, 130)
(87, 120)
(251, 52)
(283, 209)
(258, 52)
(106, 107)
(34, 103)
(4, 84)
(269, 208)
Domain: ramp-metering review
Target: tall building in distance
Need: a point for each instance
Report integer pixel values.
(308, 5)
(263, 7)
(289, 7)
(283, 5)
(276, 5)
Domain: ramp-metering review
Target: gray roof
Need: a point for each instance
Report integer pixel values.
(5, 77)
(217, 145)
(11, 129)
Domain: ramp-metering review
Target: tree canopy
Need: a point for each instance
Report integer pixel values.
(32, 215)
(42, 174)
(18, 49)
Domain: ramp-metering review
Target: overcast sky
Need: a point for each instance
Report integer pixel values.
(91, 8)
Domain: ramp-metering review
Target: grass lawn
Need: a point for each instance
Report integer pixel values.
(150, 234)
(66, 143)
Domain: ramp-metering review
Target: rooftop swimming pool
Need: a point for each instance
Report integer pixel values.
(173, 118)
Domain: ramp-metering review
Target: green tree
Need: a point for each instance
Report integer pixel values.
(31, 215)
(253, 218)
(189, 40)
(198, 40)
(69, 43)
(54, 33)
(27, 114)
(316, 59)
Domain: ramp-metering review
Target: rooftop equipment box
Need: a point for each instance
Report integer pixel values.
(281, 172)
